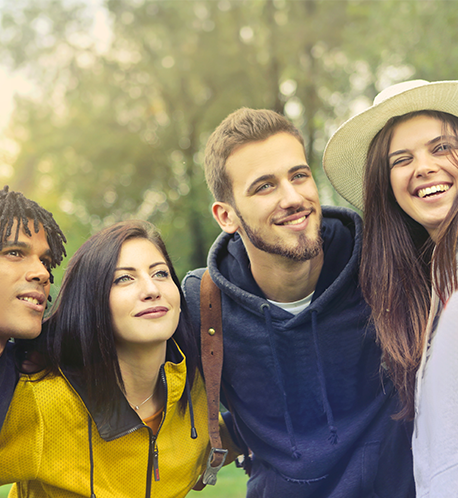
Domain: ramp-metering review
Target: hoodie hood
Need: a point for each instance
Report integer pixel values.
(341, 233)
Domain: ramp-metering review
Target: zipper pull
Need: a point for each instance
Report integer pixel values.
(156, 464)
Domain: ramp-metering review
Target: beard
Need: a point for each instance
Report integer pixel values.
(305, 249)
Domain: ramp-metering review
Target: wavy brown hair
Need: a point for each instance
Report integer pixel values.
(396, 261)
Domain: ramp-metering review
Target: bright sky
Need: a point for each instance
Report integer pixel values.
(12, 83)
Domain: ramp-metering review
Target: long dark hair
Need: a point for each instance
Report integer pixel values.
(396, 264)
(80, 331)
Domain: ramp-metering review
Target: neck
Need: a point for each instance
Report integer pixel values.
(284, 280)
(140, 368)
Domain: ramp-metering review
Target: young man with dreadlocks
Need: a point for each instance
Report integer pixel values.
(31, 245)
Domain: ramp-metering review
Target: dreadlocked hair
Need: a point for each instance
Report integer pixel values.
(14, 206)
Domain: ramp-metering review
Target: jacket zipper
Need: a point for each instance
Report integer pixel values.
(153, 455)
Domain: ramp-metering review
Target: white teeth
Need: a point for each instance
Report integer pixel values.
(432, 190)
(29, 299)
(294, 222)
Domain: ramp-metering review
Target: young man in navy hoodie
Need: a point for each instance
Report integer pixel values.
(302, 371)
(31, 245)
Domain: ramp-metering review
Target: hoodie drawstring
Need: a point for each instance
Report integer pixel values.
(191, 410)
(289, 425)
(333, 438)
(91, 455)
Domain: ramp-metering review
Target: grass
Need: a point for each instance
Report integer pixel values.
(231, 484)
(4, 491)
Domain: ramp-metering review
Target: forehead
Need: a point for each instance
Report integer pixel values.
(38, 240)
(415, 129)
(138, 250)
(272, 156)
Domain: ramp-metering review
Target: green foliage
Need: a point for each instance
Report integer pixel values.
(119, 132)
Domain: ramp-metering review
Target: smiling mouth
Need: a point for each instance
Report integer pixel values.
(436, 189)
(157, 310)
(29, 299)
(295, 222)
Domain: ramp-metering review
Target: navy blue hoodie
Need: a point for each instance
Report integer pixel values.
(8, 380)
(305, 391)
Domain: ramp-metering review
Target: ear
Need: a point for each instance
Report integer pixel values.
(226, 217)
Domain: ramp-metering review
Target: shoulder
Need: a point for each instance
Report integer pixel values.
(8, 379)
(342, 233)
(51, 395)
(24, 420)
(342, 218)
(191, 285)
(191, 291)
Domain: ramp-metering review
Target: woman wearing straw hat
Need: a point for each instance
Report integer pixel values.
(398, 162)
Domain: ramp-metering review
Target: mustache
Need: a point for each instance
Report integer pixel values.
(291, 211)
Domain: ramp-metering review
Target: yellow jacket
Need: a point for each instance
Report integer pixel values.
(53, 446)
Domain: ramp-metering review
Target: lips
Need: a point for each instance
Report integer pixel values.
(153, 311)
(294, 219)
(33, 297)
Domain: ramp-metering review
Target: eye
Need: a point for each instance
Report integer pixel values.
(162, 274)
(300, 176)
(400, 161)
(444, 147)
(262, 188)
(122, 279)
(14, 252)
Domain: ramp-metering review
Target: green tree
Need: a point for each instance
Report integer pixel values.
(120, 132)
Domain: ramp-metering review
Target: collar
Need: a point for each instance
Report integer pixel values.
(124, 420)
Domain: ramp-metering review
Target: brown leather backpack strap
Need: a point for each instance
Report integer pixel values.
(211, 336)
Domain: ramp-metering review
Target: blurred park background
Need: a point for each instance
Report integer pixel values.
(123, 94)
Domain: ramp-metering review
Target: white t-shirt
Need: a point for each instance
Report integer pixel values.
(295, 307)
(435, 439)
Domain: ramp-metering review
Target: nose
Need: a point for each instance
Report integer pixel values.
(425, 165)
(38, 272)
(290, 196)
(149, 289)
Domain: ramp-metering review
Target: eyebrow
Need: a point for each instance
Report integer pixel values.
(264, 178)
(131, 268)
(9, 244)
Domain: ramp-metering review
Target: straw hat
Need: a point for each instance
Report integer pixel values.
(345, 154)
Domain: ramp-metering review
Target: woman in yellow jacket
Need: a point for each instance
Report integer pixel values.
(121, 411)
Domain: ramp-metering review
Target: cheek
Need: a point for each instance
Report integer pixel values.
(115, 310)
(175, 301)
(175, 298)
(399, 186)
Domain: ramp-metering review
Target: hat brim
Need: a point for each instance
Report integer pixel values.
(345, 155)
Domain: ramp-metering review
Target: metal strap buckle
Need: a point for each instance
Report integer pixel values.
(209, 476)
